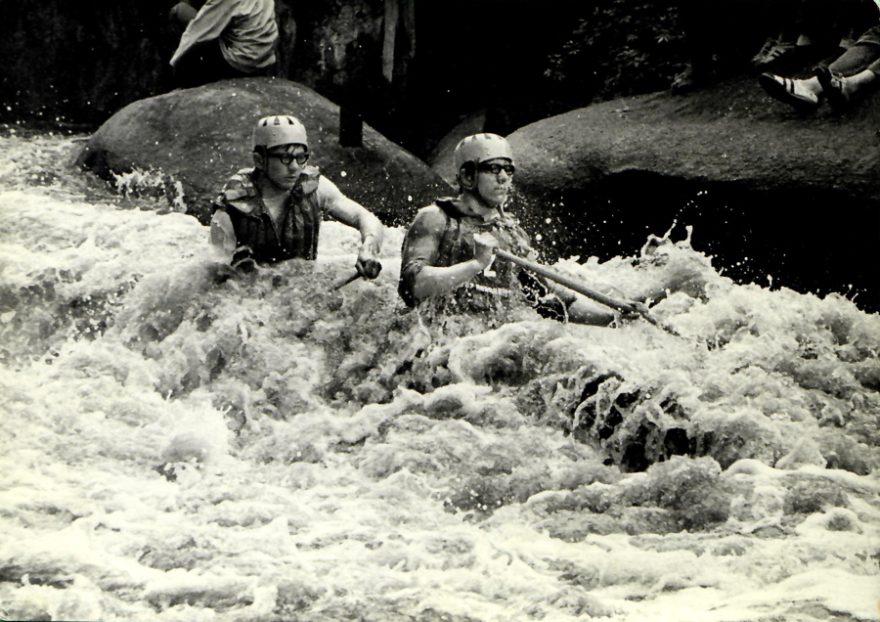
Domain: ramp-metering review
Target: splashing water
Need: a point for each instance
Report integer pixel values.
(178, 447)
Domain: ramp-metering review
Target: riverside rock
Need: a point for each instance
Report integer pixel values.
(774, 195)
(730, 133)
(196, 138)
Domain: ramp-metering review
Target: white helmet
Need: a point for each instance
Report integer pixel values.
(279, 130)
(480, 148)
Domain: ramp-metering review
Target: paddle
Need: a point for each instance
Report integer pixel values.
(608, 301)
(343, 282)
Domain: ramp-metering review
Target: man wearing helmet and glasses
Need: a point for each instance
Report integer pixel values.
(273, 211)
(448, 251)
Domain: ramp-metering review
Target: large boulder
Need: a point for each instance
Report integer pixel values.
(775, 195)
(198, 137)
(732, 132)
(441, 159)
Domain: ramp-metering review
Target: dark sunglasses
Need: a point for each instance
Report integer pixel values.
(287, 158)
(494, 168)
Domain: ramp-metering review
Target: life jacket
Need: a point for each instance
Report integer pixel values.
(503, 284)
(457, 245)
(296, 235)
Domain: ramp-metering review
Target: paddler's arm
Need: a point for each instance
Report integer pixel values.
(558, 302)
(222, 233)
(435, 280)
(223, 240)
(583, 311)
(419, 277)
(353, 214)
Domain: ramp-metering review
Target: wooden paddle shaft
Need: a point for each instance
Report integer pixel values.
(567, 282)
(342, 283)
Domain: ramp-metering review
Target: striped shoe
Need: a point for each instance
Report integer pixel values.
(790, 91)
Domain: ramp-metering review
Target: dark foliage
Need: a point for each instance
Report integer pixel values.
(70, 63)
(619, 47)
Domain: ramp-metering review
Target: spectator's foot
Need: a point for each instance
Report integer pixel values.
(790, 91)
(837, 89)
(771, 52)
(765, 49)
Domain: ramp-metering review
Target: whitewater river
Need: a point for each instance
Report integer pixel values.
(176, 448)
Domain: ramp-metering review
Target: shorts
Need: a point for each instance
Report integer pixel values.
(205, 63)
(870, 37)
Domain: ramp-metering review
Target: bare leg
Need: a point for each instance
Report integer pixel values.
(842, 81)
(842, 89)
(862, 79)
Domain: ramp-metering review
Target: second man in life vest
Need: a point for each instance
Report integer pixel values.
(448, 251)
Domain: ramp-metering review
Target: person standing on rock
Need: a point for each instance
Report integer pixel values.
(448, 252)
(273, 211)
(224, 39)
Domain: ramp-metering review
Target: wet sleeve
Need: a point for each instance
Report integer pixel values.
(421, 247)
(223, 238)
(222, 231)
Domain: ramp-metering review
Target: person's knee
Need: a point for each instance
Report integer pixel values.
(183, 13)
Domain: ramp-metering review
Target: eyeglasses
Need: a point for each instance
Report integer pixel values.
(287, 158)
(495, 169)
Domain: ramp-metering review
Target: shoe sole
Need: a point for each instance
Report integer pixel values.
(780, 93)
